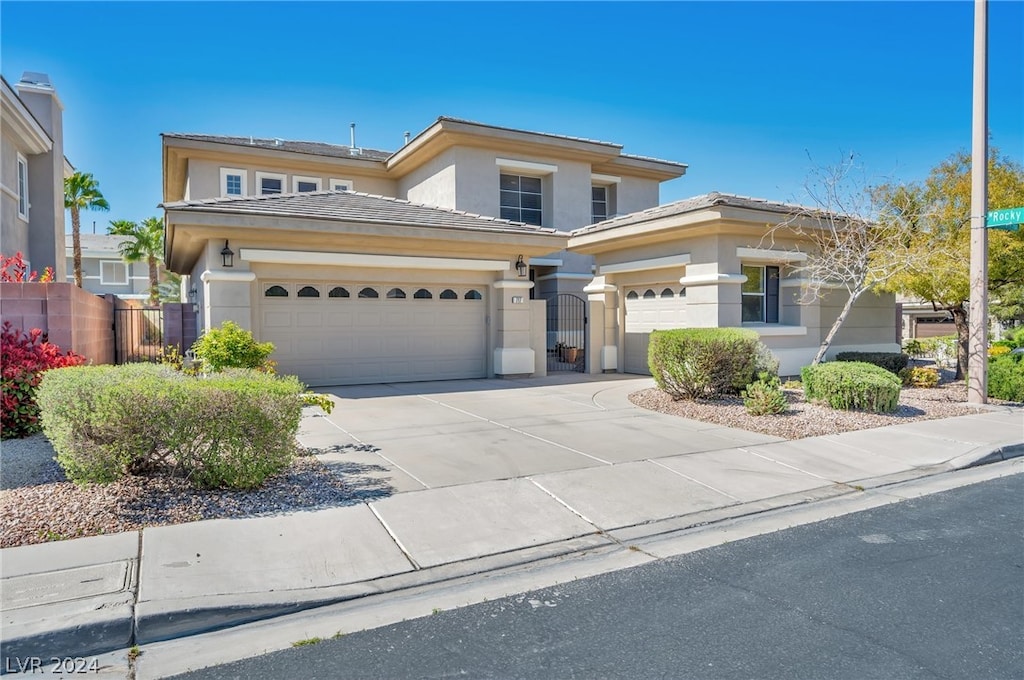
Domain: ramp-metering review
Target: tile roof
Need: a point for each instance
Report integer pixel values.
(353, 206)
(99, 242)
(529, 132)
(312, 148)
(693, 204)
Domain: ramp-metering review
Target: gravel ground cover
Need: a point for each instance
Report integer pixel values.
(38, 504)
(812, 420)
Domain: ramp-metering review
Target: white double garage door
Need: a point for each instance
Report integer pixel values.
(649, 308)
(361, 333)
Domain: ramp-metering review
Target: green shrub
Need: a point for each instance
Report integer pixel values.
(1006, 377)
(894, 362)
(233, 429)
(706, 363)
(315, 399)
(917, 376)
(851, 385)
(913, 347)
(231, 346)
(765, 396)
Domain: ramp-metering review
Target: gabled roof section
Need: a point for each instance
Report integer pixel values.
(351, 206)
(99, 245)
(312, 148)
(694, 204)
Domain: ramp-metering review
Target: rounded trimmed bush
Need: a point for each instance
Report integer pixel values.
(707, 363)
(232, 429)
(852, 386)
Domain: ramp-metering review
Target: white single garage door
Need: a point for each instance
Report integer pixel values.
(650, 308)
(349, 334)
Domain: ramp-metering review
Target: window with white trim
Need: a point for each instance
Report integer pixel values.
(232, 182)
(760, 294)
(341, 185)
(23, 204)
(113, 273)
(303, 184)
(269, 183)
(521, 198)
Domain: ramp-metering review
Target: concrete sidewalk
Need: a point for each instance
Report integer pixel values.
(483, 478)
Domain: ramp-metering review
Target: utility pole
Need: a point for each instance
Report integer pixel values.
(977, 352)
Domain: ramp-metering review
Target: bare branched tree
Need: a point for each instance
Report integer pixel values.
(851, 241)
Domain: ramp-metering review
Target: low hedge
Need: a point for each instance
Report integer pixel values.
(894, 362)
(707, 363)
(230, 430)
(1006, 377)
(851, 385)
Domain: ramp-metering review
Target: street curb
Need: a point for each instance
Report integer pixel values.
(988, 455)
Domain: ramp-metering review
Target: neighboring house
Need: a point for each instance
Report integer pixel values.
(104, 271)
(32, 173)
(367, 266)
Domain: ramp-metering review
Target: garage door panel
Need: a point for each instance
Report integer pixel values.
(354, 341)
(644, 315)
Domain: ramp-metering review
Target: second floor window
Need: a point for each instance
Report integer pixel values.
(22, 187)
(521, 199)
(232, 182)
(267, 183)
(599, 203)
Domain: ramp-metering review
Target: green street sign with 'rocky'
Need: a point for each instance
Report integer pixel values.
(1008, 218)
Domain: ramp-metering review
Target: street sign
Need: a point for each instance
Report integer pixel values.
(1009, 219)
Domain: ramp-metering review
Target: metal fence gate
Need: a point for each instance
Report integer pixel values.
(566, 332)
(138, 334)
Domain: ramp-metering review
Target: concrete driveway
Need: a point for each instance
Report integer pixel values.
(438, 434)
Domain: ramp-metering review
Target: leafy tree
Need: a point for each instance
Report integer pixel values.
(852, 242)
(81, 192)
(145, 243)
(939, 242)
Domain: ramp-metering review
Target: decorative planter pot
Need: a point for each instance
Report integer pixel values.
(571, 354)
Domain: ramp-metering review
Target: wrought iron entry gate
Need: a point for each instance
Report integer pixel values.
(567, 332)
(138, 334)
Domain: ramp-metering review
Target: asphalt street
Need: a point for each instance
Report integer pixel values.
(926, 588)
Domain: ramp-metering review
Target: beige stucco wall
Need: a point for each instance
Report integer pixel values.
(433, 183)
(204, 178)
(13, 229)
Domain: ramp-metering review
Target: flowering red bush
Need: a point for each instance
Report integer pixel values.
(23, 358)
(13, 269)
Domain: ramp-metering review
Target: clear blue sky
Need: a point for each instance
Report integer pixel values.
(742, 92)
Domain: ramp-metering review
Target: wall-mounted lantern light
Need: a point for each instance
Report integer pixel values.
(192, 295)
(227, 255)
(521, 267)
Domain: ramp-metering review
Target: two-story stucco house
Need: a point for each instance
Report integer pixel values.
(427, 267)
(32, 173)
(443, 259)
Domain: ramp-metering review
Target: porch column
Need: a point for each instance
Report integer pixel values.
(603, 331)
(513, 354)
(227, 297)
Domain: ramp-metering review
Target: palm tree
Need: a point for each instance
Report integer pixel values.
(81, 192)
(145, 243)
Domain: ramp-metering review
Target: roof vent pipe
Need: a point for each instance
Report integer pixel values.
(352, 135)
(406, 136)
(251, 142)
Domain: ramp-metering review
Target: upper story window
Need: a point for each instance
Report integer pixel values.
(599, 203)
(341, 185)
(113, 273)
(521, 198)
(269, 183)
(301, 184)
(232, 182)
(760, 294)
(22, 187)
